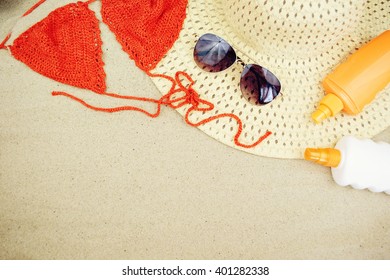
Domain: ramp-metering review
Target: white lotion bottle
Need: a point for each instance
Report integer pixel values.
(360, 163)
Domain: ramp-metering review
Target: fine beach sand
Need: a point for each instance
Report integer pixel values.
(78, 184)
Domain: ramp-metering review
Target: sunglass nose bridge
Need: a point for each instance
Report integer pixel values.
(239, 60)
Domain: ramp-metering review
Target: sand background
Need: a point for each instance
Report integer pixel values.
(78, 184)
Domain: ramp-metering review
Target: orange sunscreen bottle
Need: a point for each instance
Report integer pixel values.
(355, 83)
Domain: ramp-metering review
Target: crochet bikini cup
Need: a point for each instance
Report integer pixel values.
(147, 35)
(66, 46)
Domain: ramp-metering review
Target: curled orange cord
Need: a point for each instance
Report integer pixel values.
(190, 97)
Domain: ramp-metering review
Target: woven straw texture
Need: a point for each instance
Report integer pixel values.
(300, 42)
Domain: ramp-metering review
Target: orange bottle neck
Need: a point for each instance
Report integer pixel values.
(327, 156)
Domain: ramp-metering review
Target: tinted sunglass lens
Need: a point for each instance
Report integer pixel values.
(259, 85)
(213, 54)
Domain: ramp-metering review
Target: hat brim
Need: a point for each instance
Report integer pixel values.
(288, 117)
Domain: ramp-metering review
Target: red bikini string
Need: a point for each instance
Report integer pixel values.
(29, 11)
(227, 115)
(192, 97)
(164, 100)
(116, 109)
(2, 44)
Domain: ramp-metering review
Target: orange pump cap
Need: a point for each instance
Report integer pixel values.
(327, 157)
(330, 105)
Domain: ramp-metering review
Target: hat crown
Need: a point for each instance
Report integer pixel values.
(295, 27)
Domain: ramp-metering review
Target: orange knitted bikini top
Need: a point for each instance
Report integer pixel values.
(66, 46)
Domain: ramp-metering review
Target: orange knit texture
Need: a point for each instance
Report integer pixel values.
(66, 47)
(146, 29)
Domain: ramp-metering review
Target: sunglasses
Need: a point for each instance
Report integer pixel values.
(258, 84)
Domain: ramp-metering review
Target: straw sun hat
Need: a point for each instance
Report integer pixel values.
(299, 41)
